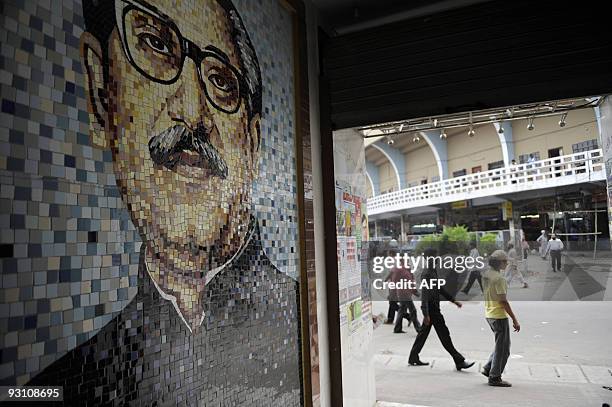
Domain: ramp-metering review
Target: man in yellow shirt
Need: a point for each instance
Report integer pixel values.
(497, 311)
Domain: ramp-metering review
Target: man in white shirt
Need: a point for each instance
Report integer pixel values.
(554, 247)
(512, 268)
(543, 241)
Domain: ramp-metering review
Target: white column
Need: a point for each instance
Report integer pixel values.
(604, 121)
(506, 141)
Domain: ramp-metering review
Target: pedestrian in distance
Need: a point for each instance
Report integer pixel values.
(393, 305)
(432, 316)
(512, 269)
(497, 311)
(543, 242)
(525, 249)
(475, 271)
(403, 296)
(554, 247)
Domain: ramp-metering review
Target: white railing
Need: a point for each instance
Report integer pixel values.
(551, 172)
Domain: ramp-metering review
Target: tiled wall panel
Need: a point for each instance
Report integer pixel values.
(148, 201)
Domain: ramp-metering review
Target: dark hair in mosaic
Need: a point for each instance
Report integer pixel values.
(100, 21)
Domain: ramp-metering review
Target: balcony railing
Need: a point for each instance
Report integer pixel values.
(551, 172)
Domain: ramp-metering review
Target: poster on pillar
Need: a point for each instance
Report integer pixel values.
(605, 132)
(356, 327)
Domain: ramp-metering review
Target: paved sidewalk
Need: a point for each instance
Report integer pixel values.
(446, 387)
(561, 358)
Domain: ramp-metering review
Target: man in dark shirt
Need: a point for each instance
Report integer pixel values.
(404, 296)
(432, 316)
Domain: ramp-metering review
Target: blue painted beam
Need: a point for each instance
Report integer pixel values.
(373, 174)
(440, 151)
(397, 160)
(506, 141)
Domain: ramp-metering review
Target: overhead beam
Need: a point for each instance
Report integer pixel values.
(440, 150)
(373, 175)
(506, 141)
(397, 160)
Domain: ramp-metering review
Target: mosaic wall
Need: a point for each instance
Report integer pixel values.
(148, 201)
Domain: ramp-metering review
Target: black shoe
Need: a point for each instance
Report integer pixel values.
(417, 362)
(485, 373)
(399, 332)
(498, 382)
(409, 322)
(464, 365)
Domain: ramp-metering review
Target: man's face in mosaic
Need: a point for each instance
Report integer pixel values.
(174, 113)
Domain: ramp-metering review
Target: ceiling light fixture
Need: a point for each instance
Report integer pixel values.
(562, 122)
(443, 134)
(530, 125)
(500, 129)
(525, 112)
(416, 138)
(390, 140)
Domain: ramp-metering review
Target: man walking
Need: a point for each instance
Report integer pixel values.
(512, 269)
(525, 250)
(543, 241)
(474, 272)
(497, 310)
(554, 247)
(393, 305)
(406, 309)
(430, 305)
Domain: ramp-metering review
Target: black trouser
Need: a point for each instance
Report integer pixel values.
(474, 275)
(393, 307)
(406, 306)
(555, 259)
(437, 321)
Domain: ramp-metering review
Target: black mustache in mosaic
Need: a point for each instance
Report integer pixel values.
(167, 147)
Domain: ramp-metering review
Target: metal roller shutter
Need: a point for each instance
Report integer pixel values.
(487, 55)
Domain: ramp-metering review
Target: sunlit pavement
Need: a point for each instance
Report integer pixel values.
(561, 357)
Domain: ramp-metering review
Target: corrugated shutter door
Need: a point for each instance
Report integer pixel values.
(488, 55)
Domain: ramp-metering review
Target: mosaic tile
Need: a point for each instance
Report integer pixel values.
(148, 253)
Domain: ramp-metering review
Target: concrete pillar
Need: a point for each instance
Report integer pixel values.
(604, 122)
(512, 234)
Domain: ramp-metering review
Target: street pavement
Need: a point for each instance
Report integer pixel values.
(561, 357)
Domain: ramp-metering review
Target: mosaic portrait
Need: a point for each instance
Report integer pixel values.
(148, 202)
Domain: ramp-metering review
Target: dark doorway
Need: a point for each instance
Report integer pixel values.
(556, 152)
